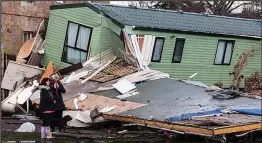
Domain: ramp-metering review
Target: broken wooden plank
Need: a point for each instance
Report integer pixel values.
(70, 69)
(25, 50)
(160, 124)
(238, 128)
(100, 69)
(198, 130)
(50, 69)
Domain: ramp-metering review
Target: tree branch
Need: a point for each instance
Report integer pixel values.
(209, 5)
(229, 5)
(238, 6)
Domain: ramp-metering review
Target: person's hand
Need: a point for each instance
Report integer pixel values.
(56, 85)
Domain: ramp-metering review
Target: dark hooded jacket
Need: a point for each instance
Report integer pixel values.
(59, 102)
(46, 99)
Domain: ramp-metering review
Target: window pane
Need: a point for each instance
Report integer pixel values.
(158, 49)
(83, 56)
(73, 56)
(27, 36)
(83, 38)
(220, 52)
(71, 34)
(178, 50)
(228, 53)
(76, 43)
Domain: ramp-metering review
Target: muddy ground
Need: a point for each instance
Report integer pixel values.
(104, 133)
(99, 133)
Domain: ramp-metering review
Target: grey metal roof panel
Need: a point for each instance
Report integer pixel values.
(175, 20)
(168, 97)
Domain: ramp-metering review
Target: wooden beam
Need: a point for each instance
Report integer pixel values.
(161, 124)
(239, 128)
(184, 127)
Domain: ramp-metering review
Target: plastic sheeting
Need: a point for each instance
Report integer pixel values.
(190, 115)
(250, 111)
(215, 112)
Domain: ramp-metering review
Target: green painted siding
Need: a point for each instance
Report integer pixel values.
(198, 56)
(101, 38)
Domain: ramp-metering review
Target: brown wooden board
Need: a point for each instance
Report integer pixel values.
(26, 49)
(117, 69)
(70, 69)
(224, 119)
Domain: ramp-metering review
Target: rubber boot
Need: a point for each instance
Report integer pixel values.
(56, 129)
(43, 133)
(48, 133)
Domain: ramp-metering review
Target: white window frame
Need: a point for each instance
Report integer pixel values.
(30, 35)
(222, 62)
(152, 58)
(64, 57)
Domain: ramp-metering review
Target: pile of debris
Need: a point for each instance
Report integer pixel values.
(102, 72)
(138, 95)
(253, 84)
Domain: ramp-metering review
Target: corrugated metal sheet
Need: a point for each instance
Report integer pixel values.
(168, 97)
(174, 20)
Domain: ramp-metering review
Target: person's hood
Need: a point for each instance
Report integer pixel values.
(43, 86)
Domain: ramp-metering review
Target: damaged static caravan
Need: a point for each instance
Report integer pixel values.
(175, 42)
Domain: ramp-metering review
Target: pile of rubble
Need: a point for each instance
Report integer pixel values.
(159, 102)
(102, 72)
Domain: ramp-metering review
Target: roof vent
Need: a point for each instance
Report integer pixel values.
(153, 8)
(204, 13)
(132, 6)
(180, 11)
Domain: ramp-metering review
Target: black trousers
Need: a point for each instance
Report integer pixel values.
(58, 114)
(47, 117)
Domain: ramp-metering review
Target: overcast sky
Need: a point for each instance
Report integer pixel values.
(125, 3)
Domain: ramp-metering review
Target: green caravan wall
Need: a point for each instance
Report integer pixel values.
(57, 27)
(198, 56)
(110, 36)
(115, 39)
(103, 34)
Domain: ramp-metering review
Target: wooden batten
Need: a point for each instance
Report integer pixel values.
(191, 129)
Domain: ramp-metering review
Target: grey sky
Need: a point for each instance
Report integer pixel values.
(125, 3)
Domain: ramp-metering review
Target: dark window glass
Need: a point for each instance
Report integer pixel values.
(178, 51)
(158, 48)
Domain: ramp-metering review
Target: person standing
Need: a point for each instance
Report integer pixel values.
(46, 107)
(57, 90)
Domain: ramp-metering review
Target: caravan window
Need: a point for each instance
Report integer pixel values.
(158, 48)
(27, 35)
(178, 51)
(77, 43)
(224, 52)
